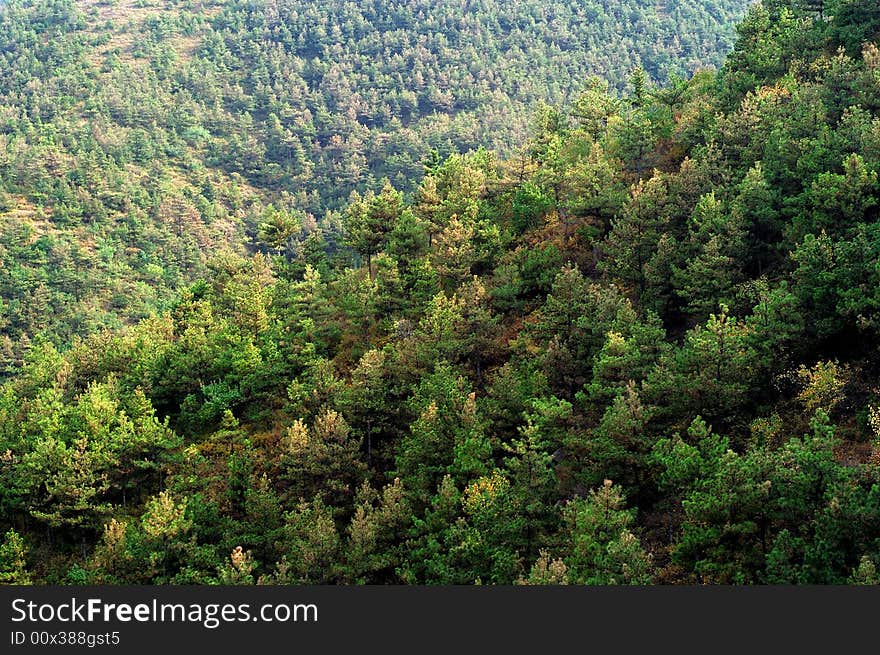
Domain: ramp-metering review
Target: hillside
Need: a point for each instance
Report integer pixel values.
(642, 348)
(151, 133)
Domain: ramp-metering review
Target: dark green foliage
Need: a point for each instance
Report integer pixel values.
(853, 23)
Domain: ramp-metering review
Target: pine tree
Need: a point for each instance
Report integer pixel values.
(13, 565)
(601, 548)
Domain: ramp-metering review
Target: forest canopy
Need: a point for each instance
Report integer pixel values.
(641, 347)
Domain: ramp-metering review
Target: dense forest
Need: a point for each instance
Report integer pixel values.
(643, 346)
(139, 136)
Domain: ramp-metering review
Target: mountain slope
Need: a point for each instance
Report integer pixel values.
(645, 348)
(142, 135)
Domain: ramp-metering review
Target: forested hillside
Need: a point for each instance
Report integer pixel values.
(642, 348)
(137, 136)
